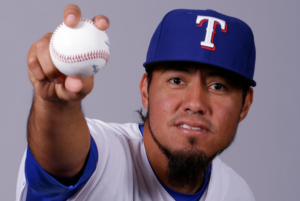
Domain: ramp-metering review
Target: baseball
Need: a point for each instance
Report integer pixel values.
(81, 51)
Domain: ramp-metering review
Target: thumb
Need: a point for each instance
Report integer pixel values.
(73, 84)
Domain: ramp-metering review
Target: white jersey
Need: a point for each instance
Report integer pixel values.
(123, 171)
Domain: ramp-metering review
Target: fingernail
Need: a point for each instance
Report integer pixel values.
(58, 80)
(102, 23)
(71, 18)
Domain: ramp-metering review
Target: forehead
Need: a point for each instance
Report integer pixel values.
(191, 68)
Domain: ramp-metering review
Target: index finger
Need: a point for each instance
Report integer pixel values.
(72, 15)
(101, 22)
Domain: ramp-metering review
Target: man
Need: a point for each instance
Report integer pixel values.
(197, 89)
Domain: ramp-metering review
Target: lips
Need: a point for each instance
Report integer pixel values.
(192, 125)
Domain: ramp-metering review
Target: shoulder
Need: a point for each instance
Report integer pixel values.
(129, 131)
(226, 184)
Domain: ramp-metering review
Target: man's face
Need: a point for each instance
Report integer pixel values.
(194, 108)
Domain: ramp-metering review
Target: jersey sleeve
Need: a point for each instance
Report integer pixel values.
(43, 186)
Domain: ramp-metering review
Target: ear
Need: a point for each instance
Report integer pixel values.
(247, 104)
(144, 91)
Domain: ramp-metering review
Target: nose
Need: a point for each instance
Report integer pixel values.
(195, 100)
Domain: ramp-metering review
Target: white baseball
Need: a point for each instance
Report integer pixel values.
(81, 51)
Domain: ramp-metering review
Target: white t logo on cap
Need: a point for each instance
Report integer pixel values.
(210, 30)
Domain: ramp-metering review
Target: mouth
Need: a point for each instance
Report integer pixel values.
(190, 127)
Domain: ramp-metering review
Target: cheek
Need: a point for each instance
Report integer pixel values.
(226, 117)
(163, 106)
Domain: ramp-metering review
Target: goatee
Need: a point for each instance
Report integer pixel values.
(186, 167)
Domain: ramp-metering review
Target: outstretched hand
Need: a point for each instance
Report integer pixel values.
(49, 83)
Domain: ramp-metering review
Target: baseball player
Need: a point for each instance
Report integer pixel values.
(196, 89)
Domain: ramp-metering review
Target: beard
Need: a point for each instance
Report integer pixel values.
(186, 167)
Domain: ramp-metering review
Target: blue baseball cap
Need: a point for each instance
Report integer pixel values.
(204, 36)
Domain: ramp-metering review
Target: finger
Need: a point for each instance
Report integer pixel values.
(88, 84)
(32, 78)
(45, 61)
(73, 84)
(72, 15)
(34, 66)
(101, 22)
(81, 87)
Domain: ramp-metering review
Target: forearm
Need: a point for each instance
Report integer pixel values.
(58, 136)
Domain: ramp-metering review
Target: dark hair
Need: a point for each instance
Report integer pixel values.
(143, 116)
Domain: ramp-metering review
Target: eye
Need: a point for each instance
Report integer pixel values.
(176, 80)
(218, 86)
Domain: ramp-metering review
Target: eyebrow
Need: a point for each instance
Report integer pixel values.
(225, 75)
(210, 73)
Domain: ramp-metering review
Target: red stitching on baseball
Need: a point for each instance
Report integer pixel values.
(78, 57)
